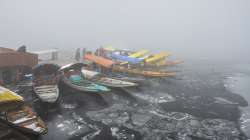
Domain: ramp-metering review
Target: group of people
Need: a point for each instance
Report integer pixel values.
(79, 54)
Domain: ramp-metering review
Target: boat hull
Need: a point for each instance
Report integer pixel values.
(45, 80)
(106, 81)
(68, 83)
(28, 123)
(71, 76)
(145, 73)
(115, 83)
(47, 93)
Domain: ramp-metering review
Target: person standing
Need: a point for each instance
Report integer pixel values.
(83, 52)
(77, 55)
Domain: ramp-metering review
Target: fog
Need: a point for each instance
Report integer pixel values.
(188, 28)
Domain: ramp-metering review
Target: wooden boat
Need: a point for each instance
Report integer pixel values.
(138, 59)
(125, 77)
(21, 116)
(8, 132)
(45, 82)
(72, 76)
(109, 64)
(106, 81)
(145, 73)
(26, 120)
(163, 63)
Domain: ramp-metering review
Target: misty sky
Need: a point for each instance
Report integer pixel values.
(197, 28)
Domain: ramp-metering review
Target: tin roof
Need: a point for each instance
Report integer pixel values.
(6, 50)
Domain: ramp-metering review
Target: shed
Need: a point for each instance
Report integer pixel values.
(14, 64)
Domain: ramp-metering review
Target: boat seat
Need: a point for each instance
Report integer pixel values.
(75, 78)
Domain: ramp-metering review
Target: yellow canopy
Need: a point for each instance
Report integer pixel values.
(157, 57)
(8, 96)
(139, 53)
(109, 48)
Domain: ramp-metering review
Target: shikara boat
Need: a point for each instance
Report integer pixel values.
(106, 81)
(19, 115)
(26, 120)
(145, 73)
(8, 132)
(45, 82)
(141, 60)
(72, 76)
(109, 64)
(125, 77)
(163, 63)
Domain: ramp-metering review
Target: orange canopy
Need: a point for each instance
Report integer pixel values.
(99, 60)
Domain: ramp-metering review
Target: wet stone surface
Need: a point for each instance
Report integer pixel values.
(194, 105)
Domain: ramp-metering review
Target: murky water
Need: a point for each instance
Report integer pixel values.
(202, 102)
(239, 83)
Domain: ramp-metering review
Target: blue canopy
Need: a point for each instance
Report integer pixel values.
(126, 58)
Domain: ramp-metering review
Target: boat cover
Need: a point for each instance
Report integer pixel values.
(126, 58)
(157, 57)
(99, 60)
(8, 96)
(73, 65)
(139, 53)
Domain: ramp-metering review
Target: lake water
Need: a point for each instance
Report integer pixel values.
(206, 100)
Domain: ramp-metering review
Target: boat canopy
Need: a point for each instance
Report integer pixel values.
(99, 60)
(126, 58)
(72, 65)
(8, 96)
(139, 53)
(45, 68)
(109, 48)
(157, 57)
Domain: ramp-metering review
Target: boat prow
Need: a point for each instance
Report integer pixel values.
(17, 114)
(26, 120)
(47, 93)
(45, 81)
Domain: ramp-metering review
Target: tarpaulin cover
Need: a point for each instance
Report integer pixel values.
(8, 96)
(126, 58)
(99, 60)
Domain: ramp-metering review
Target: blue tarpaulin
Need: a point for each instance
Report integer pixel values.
(126, 58)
